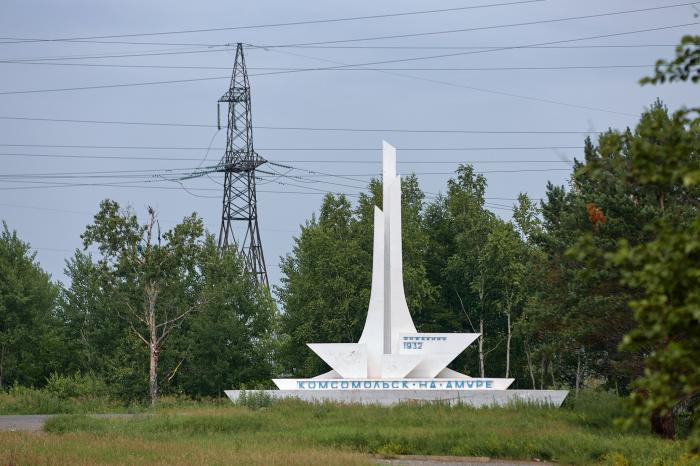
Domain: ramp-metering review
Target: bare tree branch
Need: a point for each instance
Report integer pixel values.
(139, 335)
(496, 346)
(464, 310)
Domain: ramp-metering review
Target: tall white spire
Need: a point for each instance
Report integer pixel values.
(390, 347)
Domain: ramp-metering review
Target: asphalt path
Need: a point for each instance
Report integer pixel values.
(35, 422)
(32, 422)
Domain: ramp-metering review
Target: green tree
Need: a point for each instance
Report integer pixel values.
(470, 270)
(98, 338)
(665, 268)
(29, 340)
(157, 277)
(229, 343)
(321, 290)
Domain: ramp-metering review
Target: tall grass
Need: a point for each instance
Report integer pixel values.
(580, 433)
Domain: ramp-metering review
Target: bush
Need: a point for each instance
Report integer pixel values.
(254, 399)
(597, 409)
(62, 395)
(24, 400)
(76, 386)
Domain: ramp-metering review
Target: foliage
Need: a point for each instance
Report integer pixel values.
(686, 65)
(254, 399)
(26, 400)
(30, 339)
(229, 342)
(213, 324)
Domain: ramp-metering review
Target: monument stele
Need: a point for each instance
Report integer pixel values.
(393, 362)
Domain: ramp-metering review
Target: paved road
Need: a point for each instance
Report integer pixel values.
(35, 422)
(31, 422)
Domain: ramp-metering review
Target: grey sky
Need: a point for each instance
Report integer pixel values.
(52, 218)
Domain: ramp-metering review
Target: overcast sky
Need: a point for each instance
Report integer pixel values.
(52, 212)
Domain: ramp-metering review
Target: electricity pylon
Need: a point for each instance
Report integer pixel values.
(239, 164)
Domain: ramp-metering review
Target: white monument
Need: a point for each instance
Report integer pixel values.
(392, 362)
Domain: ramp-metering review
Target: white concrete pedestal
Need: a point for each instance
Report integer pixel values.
(477, 398)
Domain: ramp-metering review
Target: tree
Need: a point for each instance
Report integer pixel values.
(665, 267)
(322, 287)
(29, 343)
(470, 270)
(229, 343)
(508, 255)
(99, 340)
(157, 277)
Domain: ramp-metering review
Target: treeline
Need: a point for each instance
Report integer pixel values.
(147, 311)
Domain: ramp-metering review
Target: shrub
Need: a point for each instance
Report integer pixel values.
(254, 399)
(76, 386)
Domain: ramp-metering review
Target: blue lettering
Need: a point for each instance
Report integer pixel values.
(479, 383)
(459, 383)
(344, 385)
(312, 385)
(377, 385)
(356, 384)
(385, 384)
(323, 385)
(334, 385)
(394, 384)
(489, 384)
(300, 384)
(470, 384)
(422, 384)
(449, 384)
(367, 384)
(432, 385)
(404, 384)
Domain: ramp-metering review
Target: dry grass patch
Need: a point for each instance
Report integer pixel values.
(82, 449)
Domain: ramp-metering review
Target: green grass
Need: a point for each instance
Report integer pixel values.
(582, 432)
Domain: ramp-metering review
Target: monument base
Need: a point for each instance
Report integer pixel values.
(477, 398)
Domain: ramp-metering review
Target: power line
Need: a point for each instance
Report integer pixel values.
(183, 159)
(148, 53)
(180, 171)
(465, 47)
(490, 68)
(519, 170)
(296, 149)
(429, 162)
(47, 184)
(111, 86)
(482, 68)
(483, 28)
(494, 49)
(401, 60)
(195, 67)
(491, 91)
(297, 128)
(90, 214)
(284, 24)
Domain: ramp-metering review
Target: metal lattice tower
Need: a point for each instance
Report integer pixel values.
(239, 164)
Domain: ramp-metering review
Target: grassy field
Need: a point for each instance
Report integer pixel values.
(581, 433)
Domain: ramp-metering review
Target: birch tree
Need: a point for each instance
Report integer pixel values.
(157, 276)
